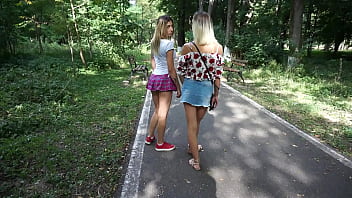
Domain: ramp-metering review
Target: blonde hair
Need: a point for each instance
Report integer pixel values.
(159, 33)
(202, 28)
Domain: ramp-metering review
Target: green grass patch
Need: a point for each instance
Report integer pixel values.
(314, 96)
(64, 135)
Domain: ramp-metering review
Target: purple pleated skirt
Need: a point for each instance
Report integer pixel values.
(161, 83)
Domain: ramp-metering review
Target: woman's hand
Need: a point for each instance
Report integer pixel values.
(214, 101)
(178, 93)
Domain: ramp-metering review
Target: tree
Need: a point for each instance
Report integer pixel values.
(8, 30)
(81, 53)
(200, 5)
(296, 25)
(230, 20)
(211, 6)
(181, 11)
(333, 22)
(309, 29)
(229, 25)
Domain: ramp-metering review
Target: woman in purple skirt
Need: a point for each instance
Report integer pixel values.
(162, 82)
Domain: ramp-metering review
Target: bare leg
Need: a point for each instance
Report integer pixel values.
(199, 115)
(163, 110)
(192, 127)
(201, 111)
(154, 120)
(194, 115)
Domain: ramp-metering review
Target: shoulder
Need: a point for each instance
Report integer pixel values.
(219, 48)
(167, 44)
(186, 48)
(167, 41)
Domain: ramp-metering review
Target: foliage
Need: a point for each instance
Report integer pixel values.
(219, 33)
(144, 14)
(140, 53)
(334, 24)
(64, 135)
(46, 21)
(258, 40)
(308, 96)
(257, 49)
(8, 30)
(103, 28)
(26, 91)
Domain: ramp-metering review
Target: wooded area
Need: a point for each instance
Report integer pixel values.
(255, 30)
(69, 99)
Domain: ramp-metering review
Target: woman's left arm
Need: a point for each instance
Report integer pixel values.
(217, 80)
(172, 70)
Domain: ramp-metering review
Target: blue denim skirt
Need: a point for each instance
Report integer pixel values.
(196, 93)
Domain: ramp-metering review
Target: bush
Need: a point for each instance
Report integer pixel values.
(256, 56)
(257, 49)
(32, 96)
(141, 53)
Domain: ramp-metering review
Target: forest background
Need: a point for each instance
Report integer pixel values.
(69, 107)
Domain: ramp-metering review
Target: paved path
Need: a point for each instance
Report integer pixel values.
(248, 152)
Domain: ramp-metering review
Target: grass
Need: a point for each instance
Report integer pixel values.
(64, 135)
(314, 96)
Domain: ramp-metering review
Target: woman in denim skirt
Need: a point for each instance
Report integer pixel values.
(162, 82)
(200, 68)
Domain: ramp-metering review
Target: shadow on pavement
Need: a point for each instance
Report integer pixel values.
(246, 154)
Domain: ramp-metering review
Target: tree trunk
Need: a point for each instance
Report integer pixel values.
(211, 6)
(309, 29)
(229, 27)
(11, 47)
(278, 8)
(70, 42)
(327, 46)
(151, 31)
(283, 30)
(142, 30)
(296, 25)
(90, 43)
(37, 34)
(40, 41)
(181, 24)
(81, 53)
(229, 21)
(337, 41)
(200, 5)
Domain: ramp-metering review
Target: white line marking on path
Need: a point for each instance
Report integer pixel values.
(309, 138)
(131, 183)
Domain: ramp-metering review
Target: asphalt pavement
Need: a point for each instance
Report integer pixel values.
(248, 152)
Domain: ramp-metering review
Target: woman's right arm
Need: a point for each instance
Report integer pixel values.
(172, 71)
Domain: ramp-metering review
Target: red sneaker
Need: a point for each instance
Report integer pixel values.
(149, 140)
(165, 147)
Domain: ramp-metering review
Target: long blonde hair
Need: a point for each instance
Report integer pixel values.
(159, 33)
(202, 28)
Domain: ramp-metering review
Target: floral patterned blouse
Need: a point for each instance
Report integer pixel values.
(191, 66)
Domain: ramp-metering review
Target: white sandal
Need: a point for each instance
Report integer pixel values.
(194, 164)
(200, 149)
